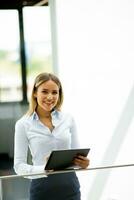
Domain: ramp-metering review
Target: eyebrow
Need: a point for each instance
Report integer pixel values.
(49, 89)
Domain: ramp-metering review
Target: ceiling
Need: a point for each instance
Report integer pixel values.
(15, 4)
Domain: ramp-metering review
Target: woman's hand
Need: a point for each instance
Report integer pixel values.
(82, 161)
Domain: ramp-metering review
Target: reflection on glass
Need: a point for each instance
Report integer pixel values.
(37, 41)
(10, 70)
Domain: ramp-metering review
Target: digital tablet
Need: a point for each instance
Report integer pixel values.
(62, 159)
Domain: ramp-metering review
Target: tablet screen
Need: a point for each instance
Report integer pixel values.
(62, 159)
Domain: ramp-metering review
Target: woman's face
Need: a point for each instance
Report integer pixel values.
(47, 95)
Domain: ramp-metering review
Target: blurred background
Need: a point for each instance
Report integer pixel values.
(90, 46)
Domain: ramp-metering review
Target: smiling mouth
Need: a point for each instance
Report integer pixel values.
(49, 104)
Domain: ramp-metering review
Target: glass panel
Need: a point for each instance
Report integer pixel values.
(104, 184)
(38, 41)
(108, 184)
(15, 189)
(10, 68)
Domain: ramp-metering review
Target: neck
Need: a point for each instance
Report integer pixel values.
(43, 114)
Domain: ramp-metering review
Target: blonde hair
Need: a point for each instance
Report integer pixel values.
(41, 78)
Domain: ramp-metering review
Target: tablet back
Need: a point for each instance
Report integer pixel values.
(61, 159)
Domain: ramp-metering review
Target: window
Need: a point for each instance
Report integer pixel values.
(10, 67)
(37, 42)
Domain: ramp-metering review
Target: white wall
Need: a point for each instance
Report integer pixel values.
(96, 66)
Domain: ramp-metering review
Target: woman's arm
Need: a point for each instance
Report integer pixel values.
(21, 152)
(81, 161)
(74, 135)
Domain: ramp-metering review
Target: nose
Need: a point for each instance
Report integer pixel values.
(49, 97)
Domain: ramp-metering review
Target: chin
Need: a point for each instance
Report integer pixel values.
(48, 109)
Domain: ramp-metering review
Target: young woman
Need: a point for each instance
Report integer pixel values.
(45, 128)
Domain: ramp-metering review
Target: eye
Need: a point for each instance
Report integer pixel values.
(55, 92)
(44, 91)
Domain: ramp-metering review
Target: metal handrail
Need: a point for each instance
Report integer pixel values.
(65, 171)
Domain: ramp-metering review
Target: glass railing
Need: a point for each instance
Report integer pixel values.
(113, 182)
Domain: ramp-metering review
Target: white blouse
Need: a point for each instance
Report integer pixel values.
(31, 133)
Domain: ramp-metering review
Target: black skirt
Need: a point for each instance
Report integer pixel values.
(56, 187)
